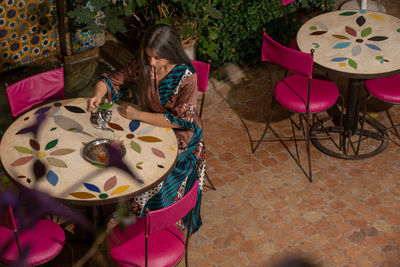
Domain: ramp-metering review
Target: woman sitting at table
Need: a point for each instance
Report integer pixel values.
(167, 85)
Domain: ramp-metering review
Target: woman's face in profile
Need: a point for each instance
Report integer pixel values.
(154, 60)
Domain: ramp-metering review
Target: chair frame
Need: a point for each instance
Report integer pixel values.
(381, 130)
(203, 96)
(300, 125)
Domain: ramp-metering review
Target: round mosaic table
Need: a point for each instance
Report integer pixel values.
(51, 160)
(356, 44)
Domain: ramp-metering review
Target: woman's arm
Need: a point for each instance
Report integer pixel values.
(156, 119)
(112, 84)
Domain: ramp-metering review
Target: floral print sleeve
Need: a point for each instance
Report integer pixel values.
(119, 81)
(182, 105)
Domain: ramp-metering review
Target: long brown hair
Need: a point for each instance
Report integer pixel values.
(164, 41)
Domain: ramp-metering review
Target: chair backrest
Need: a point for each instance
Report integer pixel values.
(160, 219)
(29, 92)
(202, 70)
(286, 2)
(290, 59)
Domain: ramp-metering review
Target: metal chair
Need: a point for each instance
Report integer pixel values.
(154, 240)
(203, 70)
(385, 89)
(34, 90)
(299, 93)
(42, 242)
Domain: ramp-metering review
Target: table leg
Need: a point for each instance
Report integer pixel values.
(352, 107)
(342, 141)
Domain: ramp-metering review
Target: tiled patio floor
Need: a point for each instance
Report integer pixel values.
(264, 208)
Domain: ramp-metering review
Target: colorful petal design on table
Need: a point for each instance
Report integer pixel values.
(316, 45)
(35, 145)
(51, 144)
(366, 32)
(348, 13)
(82, 195)
(350, 31)
(398, 30)
(318, 32)
(136, 147)
(23, 150)
(158, 152)
(22, 161)
(322, 26)
(341, 45)
(145, 130)
(133, 125)
(42, 110)
(92, 187)
(160, 166)
(39, 169)
(57, 162)
(78, 101)
(52, 178)
(149, 139)
(115, 126)
(130, 136)
(376, 17)
(139, 165)
(110, 183)
(120, 190)
(356, 50)
(62, 152)
(377, 38)
(75, 109)
(373, 47)
(338, 36)
(360, 21)
(352, 63)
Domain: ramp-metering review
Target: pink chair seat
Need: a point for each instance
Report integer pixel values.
(165, 248)
(291, 93)
(386, 89)
(46, 240)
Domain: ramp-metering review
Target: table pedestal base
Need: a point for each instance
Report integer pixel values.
(345, 146)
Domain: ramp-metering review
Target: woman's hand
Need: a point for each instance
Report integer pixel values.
(99, 91)
(93, 103)
(129, 112)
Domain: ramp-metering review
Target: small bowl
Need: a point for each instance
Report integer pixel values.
(96, 151)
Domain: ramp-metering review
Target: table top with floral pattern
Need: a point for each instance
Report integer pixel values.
(359, 43)
(42, 150)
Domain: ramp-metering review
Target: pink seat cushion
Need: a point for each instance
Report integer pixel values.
(46, 241)
(166, 247)
(291, 93)
(387, 89)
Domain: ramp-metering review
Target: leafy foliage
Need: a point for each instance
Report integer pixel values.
(225, 31)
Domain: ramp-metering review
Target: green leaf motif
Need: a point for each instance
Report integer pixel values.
(23, 150)
(398, 30)
(348, 13)
(136, 147)
(366, 32)
(106, 106)
(51, 144)
(352, 64)
(379, 57)
(313, 28)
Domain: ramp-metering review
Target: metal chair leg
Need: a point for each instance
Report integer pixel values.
(362, 123)
(308, 147)
(211, 186)
(266, 128)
